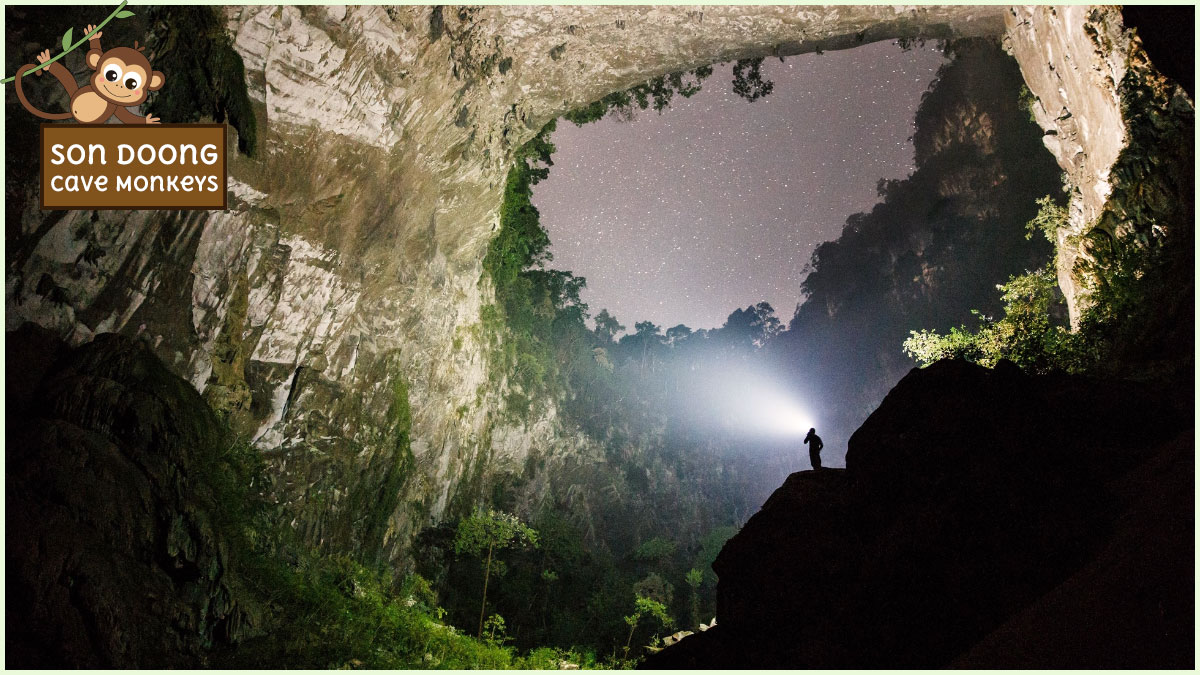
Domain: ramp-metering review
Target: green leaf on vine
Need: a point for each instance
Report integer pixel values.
(124, 14)
(67, 38)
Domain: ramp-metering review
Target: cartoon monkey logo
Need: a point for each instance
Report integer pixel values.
(122, 78)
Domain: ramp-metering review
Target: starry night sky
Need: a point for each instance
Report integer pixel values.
(718, 203)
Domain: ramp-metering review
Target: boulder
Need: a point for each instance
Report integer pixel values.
(114, 550)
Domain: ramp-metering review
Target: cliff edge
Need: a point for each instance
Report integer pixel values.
(986, 518)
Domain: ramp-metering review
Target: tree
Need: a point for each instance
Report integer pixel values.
(1049, 220)
(645, 606)
(491, 531)
(647, 333)
(710, 547)
(656, 92)
(607, 326)
(655, 550)
(678, 334)
(694, 578)
(750, 327)
(656, 588)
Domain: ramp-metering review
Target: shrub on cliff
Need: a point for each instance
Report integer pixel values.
(1026, 335)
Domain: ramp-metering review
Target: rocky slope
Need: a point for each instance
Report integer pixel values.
(348, 267)
(985, 519)
(116, 554)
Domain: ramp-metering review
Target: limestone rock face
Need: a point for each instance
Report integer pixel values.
(1082, 63)
(348, 267)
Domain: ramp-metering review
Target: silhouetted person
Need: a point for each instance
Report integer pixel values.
(814, 448)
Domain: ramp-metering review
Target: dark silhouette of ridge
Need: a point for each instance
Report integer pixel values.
(986, 518)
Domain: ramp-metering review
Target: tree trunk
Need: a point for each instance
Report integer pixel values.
(487, 571)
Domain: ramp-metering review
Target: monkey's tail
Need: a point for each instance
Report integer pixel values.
(29, 106)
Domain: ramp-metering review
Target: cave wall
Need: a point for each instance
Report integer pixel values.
(1080, 62)
(348, 267)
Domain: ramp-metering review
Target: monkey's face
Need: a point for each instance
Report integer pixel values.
(120, 82)
(125, 79)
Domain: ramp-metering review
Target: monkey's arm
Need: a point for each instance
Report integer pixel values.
(64, 76)
(92, 58)
(127, 117)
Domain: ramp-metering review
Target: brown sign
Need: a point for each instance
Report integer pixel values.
(152, 166)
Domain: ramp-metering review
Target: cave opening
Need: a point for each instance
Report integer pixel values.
(314, 428)
(700, 401)
(717, 202)
(871, 192)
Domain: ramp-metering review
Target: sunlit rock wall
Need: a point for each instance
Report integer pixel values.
(348, 265)
(1076, 60)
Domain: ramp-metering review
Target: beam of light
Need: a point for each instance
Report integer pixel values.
(749, 403)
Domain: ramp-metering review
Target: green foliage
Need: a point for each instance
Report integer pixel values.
(333, 612)
(656, 588)
(1026, 335)
(569, 593)
(655, 550)
(710, 547)
(312, 610)
(644, 607)
(340, 615)
(1138, 267)
(237, 480)
(492, 530)
(1136, 270)
(1049, 220)
(521, 242)
(373, 504)
(656, 92)
(748, 81)
(1141, 311)
(1026, 100)
(539, 318)
(927, 346)
(694, 579)
(550, 658)
(607, 327)
(493, 627)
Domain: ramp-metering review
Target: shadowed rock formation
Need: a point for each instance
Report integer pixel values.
(114, 550)
(986, 518)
